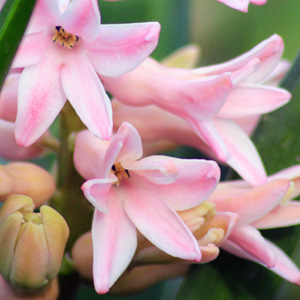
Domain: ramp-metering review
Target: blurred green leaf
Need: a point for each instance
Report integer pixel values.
(278, 141)
(14, 18)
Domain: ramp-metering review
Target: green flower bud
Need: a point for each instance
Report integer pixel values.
(31, 244)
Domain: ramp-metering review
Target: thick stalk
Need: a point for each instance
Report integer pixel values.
(69, 200)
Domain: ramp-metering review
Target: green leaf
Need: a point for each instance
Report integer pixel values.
(278, 141)
(14, 18)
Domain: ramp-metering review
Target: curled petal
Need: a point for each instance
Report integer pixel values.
(268, 52)
(119, 48)
(293, 174)
(247, 242)
(97, 192)
(251, 204)
(82, 18)
(280, 216)
(125, 145)
(87, 95)
(159, 223)
(226, 221)
(39, 85)
(284, 266)
(114, 244)
(207, 131)
(244, 156)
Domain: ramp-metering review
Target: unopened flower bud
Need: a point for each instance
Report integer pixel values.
(32, 244)
(26, 179)
(82, 255)
(140, 278)
(50, 292)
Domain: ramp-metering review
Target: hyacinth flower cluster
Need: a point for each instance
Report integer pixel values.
(114, 208)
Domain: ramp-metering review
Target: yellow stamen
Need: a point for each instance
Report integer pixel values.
(64, 38)
(120, 172)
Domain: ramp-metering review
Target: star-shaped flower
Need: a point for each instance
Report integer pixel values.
(144, 194)
(62, 53)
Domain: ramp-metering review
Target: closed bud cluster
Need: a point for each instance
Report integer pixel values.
(32, 244)
(26, 179)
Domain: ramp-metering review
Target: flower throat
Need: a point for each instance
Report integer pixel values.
(64, 38)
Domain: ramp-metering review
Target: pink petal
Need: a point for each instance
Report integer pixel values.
(97, 192)
(120, 48)
(251, 204)
(258, 2)
(244, 157)
(41, 97)
(247, 242)
(114, 244)
(32, 49)
(86, 94)
(284, 266)
(125, 145)
(182, 183)
(158, 222)
(241, 5)
(45, 14)
(10, 149)
(82, 18)
(89, 154)
(177, 91)
(278, 73)
(225, 220)
(268, 52)
(248, 124)
(280, 216)
(9, 97)
(293, 174)
(247, 100)
(207, 131)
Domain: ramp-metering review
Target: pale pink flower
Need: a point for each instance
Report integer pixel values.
(242, 5)
(62, 54)
(143, 194)
(263, 207)
(199, 96)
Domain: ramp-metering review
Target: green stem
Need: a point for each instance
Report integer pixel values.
(69, 200)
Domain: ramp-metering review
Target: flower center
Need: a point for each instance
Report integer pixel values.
(120, 172)
(64, 38)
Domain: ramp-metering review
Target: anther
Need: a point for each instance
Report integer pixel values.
(64, 38)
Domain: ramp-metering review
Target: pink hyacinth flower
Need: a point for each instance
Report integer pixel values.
(264, 207)
(206, 100)
(242, 5)
(144, 194)
(62, 54)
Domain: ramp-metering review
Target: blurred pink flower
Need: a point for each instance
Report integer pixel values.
(145, 194)
(242, 5)
(264, 207)
(62, 54)
(209, 99)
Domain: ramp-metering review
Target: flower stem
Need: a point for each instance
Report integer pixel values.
(69, 200)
